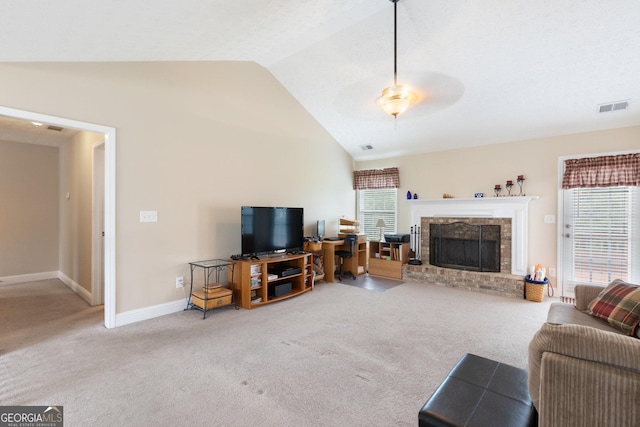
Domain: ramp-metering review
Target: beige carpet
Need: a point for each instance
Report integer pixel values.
(337, 356)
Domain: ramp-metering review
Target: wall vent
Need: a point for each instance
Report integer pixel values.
(613, 106)
(56, 128)
(366, 147)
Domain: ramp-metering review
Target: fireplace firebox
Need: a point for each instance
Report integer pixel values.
(463, 246)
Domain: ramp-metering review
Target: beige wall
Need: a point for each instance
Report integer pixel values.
(465, 172)
(195, 141)
(29, 212)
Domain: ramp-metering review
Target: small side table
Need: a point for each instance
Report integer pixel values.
(208, 299)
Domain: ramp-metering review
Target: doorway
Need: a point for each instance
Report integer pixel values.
(108, 263)
(598, 235)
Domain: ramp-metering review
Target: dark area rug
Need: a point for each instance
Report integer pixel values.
(372, 283)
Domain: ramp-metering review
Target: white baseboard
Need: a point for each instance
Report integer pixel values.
(75, 287)
(147, 313)
(122, 319)
(10, 280)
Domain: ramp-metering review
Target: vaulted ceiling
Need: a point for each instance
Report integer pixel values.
(486, 71)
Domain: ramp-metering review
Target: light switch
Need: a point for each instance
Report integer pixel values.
(148, 216)
(549, 219)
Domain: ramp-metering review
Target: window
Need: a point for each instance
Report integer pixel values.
(377, 204)
(602, 234)
(377, 193)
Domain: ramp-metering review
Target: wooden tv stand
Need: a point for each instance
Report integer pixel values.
(254, 286)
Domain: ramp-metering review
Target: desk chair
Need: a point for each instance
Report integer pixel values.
(349, 241)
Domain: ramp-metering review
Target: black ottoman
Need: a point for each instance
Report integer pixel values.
(480, 392)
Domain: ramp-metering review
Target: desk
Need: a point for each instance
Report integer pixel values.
(352, 264)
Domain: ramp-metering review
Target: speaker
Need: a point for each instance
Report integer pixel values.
(279, 290)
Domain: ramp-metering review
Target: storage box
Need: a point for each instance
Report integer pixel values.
(216, 298)
(211, 287)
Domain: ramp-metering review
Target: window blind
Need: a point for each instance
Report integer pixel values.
(605, 234)
(374, 205)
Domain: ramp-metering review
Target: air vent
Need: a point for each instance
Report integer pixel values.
(613, 106)
(366, 147)
(56, 128)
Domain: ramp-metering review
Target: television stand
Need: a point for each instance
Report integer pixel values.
(254, 286)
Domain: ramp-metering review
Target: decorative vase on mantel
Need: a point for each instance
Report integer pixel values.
(408, 195)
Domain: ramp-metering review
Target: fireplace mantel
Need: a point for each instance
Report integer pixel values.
(515, 208)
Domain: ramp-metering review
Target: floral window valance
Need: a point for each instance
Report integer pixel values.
(373, 179)
(604, 171)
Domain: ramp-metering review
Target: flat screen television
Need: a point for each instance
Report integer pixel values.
(271, 229)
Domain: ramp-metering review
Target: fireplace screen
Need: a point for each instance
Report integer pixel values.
(465, 246)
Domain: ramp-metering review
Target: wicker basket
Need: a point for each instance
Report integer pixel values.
(311, 246)
(534, 289)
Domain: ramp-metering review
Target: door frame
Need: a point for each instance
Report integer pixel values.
(97, 225)
(560, 214)
(109, 196)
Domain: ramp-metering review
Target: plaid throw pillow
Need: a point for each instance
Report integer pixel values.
(618, 304)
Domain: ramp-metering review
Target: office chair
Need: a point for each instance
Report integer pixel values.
(350, 241)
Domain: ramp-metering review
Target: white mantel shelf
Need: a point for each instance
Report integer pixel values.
(515, 207)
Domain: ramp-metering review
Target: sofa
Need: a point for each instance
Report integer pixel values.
(583, 371)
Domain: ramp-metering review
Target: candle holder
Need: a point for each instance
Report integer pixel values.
(509, 185)
(520, 181)
(497, 190)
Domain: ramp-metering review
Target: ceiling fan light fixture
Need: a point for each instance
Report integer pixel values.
(396, 100)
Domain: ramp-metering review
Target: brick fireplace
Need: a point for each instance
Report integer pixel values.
(462, 228)
(509, 213)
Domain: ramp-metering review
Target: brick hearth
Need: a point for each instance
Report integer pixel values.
(503, 283)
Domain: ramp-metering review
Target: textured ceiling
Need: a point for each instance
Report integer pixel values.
(27, 132)
(487, 71)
